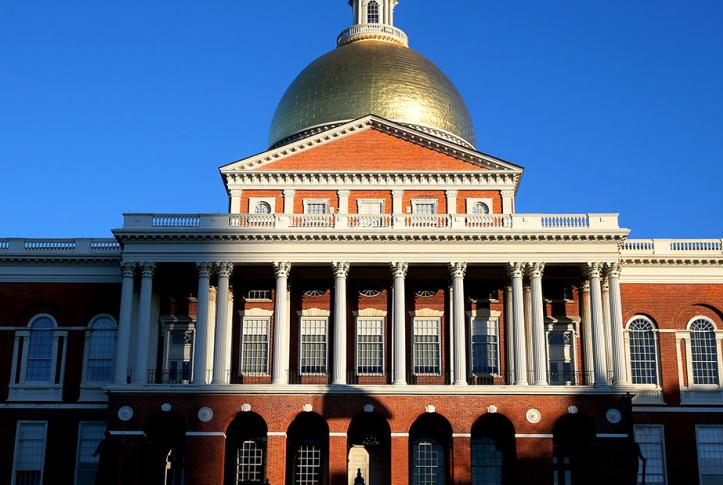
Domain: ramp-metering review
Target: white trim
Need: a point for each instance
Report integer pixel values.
(663, 447)
(255, 201)
(461, 435)
(434, 202)
(382, 205)
(51, 406)
(310, 201)
(471, 202)
(440, 349)
(337, 434)
(533, 435)
(612, 435)
(489, 317)
(127, 433)
(45, 446)
(86, 353)
(326, 342)
(400, 435)
(206, 433)
(656, 343)
(255, 314)
(276, 433)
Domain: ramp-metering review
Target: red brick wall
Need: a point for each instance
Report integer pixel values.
(463, 195)
(439, 195)
(355, 195)
(371, 150)
(278, 195)
(315, 194)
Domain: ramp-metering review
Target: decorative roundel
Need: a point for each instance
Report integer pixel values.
(205, 414)
(533, 416)
(369, 290)
(613, 416)
(125, 413)
(426, 292)
(314, 292)
(165, 407)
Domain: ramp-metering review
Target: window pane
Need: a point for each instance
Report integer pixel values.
(562, 365)
(710, 454)
(373, 13)
(426, 346)
(40, 351)
(255, 346)
(101, 351)
(643, 352)
(89, 437)
(486, 462)
(29, 453)
(180, 355)
(249, 463)
(308, 464)
(313, 346)
(650, 439)
(484, 346)
(704, 352)
(429, 463)
(316, 208)
(370, 346)
(262, 208)
(425, 208)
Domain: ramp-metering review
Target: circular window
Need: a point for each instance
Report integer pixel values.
(262, 208)
(480, 208)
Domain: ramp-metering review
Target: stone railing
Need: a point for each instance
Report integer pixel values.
(563, 223)
(672, 247)
(373, 31)
(71, 247)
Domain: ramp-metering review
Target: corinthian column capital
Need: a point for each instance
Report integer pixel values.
(515, 269)
(128, 270)
(282, 269)
(614, 269)
(399, 269)
(204, 270)
(224, 269)
(593, 270)
(148, 270)
(535, 270)
(340, 269)
(457, 269)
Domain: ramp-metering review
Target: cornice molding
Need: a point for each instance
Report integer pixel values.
(668, 261)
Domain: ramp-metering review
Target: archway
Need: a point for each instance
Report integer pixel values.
(493, 451)
(307, 451)
(369, 438)
(574, 459)
(430, 438)
(163, 455)
(246, 450)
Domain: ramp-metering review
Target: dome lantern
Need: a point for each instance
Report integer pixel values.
(373, 19)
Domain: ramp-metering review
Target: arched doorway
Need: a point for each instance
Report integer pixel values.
(307, 451)
(246, 450)
(493, 451)
(369, 438)
(163, 454)
(574, 459)
(429, 439)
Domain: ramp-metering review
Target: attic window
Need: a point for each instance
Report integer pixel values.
(373, 13)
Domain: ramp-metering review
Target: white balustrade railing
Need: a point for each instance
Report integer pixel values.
(372, 30)
(50, 245)
(4, 245)
(368, 221)
(19, 246)
(312, 220)
(253, 220)
(565, 221)
(432, 221)
(488, 221)
(176, 220)
(672, 247)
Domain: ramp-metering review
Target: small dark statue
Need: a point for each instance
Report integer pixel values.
(359, 480)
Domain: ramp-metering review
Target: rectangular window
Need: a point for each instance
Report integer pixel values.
(255, 346)
(562, 363)
(651, 441)
(308, 464)
(316, 207)
(249, 463)
(179, 362)
(313, 346)
(90, 434)
(484, 346)
(259, 295)
(370, 346)
(29, 453)
(426, 346)
(710, 454)
(425, 207)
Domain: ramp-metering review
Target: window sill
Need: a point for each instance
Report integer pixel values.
(92, 394)
(649, 395)
(702, 395)
(19, 392)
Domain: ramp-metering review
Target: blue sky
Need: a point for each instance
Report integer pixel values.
(111, 107)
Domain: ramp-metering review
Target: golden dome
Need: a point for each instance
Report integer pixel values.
(372, 77)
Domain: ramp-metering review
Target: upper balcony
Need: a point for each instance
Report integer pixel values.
(673, 247)
(74, 248)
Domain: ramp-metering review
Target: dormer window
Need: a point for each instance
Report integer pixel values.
(373, 12)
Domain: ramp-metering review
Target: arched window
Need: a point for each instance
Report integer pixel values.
(643, 351)
(493, 450)
(373, 12)
(262, 208)
(430, 439)
(39, 364)
(703, 352)
(101, 350)
(480, 208)
(246, 450)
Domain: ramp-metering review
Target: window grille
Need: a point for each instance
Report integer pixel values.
(429, 466)
(650, 439)
(486, 462)
(308, 464)
(561, 361)
(643, 352)
(101, 350)
(484, 346)
(29, 453)
(262, 208)
(710, 453)
(89, 437)
(480, 208)
(40, 351)
(258, 295)
(316, 208)
(313, 346)
(180, 355)
(425, 208)
(704, 352)
(255, 346)
(426, 350)
(370, 346)
(249, 463)
(373, 13)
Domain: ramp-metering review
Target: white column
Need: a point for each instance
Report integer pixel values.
(235, 201)
(515, 271)
(538, 324)
(527, 296)
(289, 196)
(144, 323)
(508, 201)
(589, 361)
(509, 336)
(343, 201)
(221, 356)
(124, 323)
(203, 329)
(605, 291)
(398, 208)
(598, 331)
(341, 272)
(280, 370)
(457, 271)
(451, 201)
(452, 346)
(399, 272)
(616, 320)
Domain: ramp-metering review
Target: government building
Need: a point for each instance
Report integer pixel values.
(371, 309)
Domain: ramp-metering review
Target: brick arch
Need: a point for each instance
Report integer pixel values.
(683, 315)
(231, 417)
(651, 315)
(31, 310)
